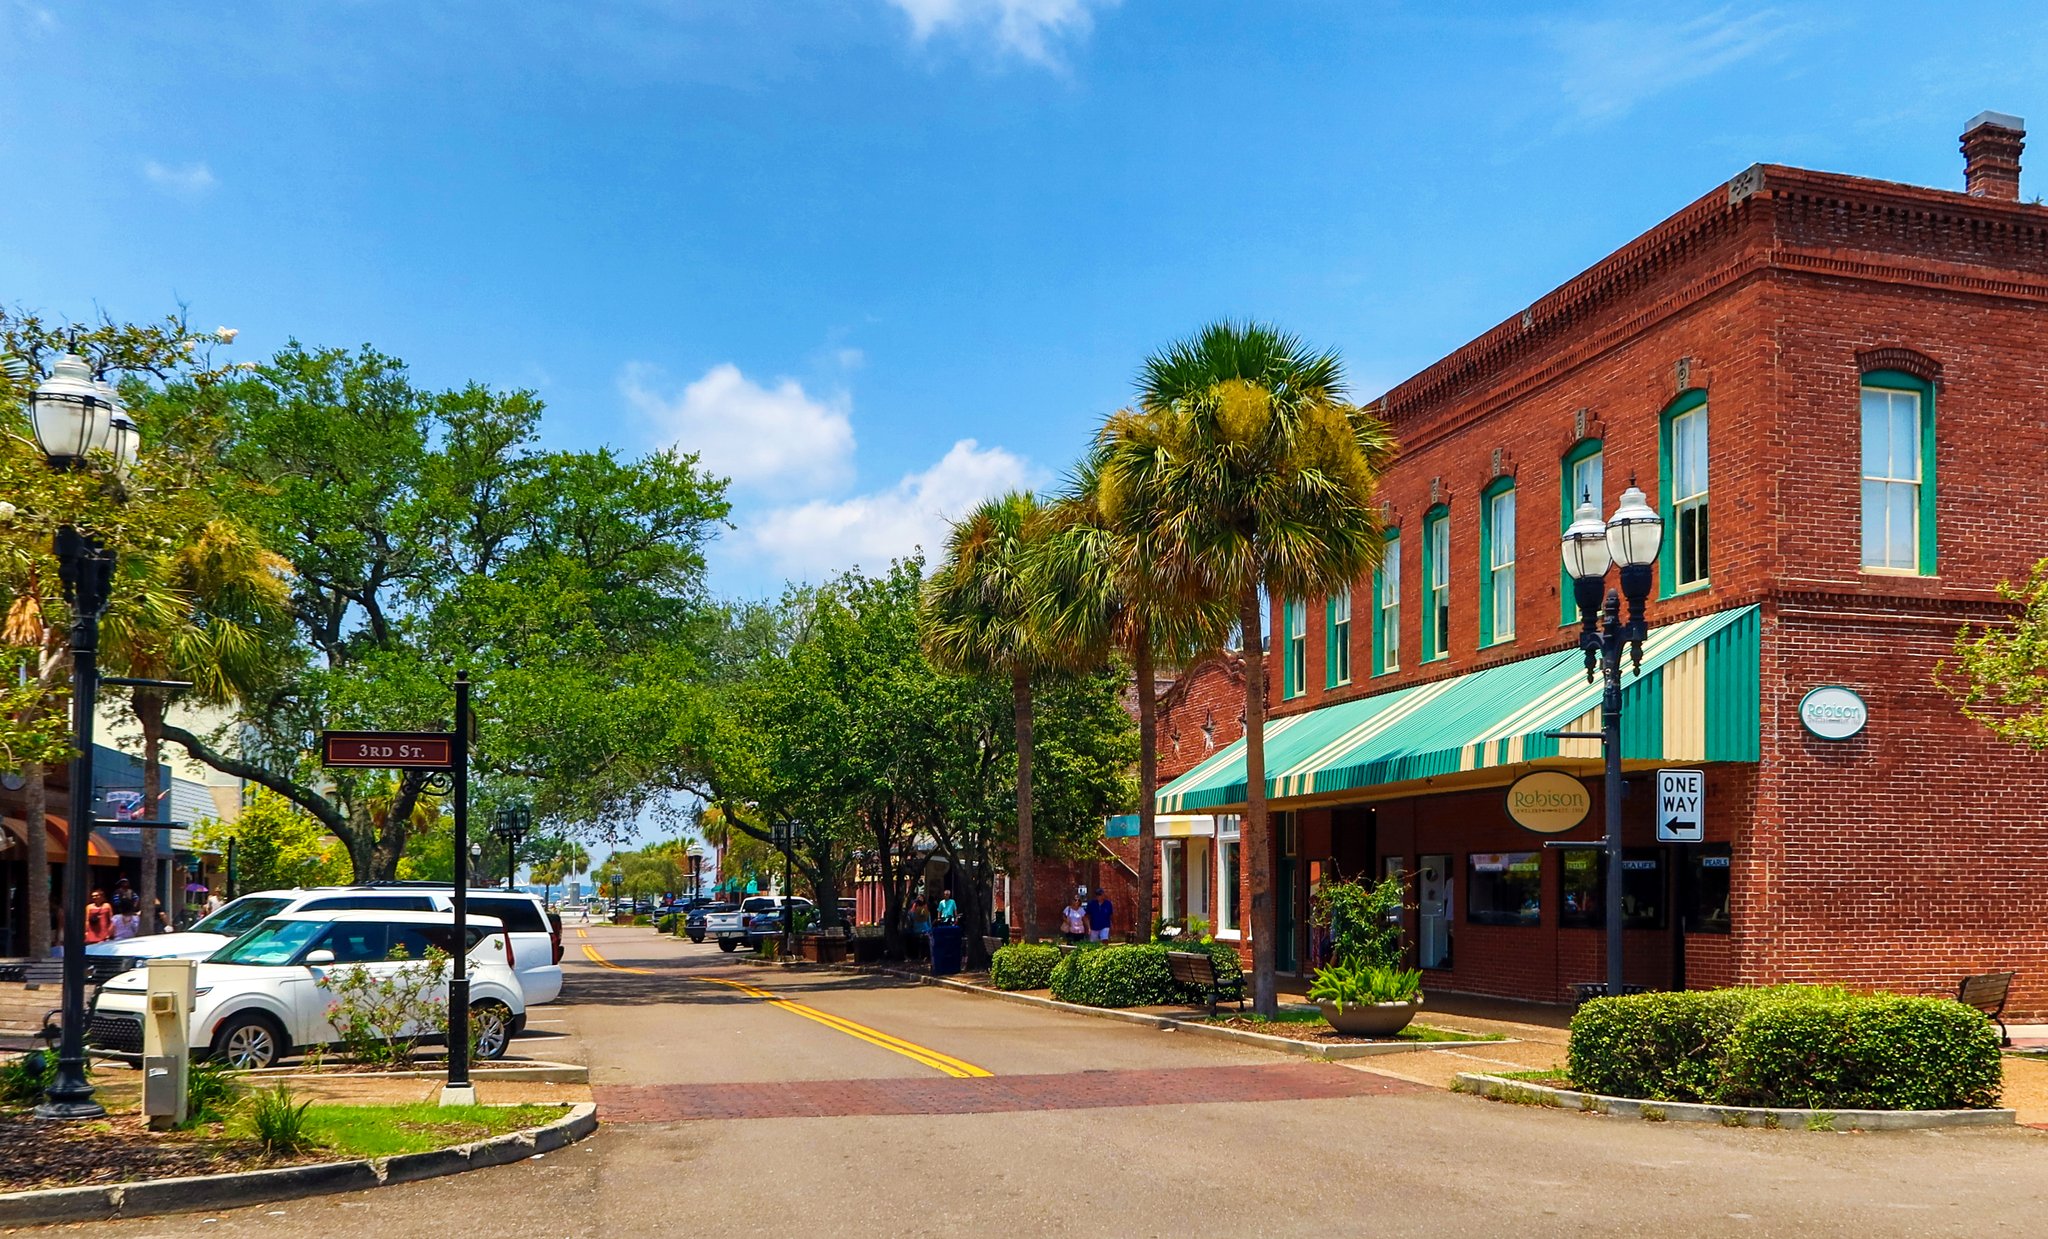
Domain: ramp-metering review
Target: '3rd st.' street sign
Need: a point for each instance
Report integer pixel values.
(388, 750)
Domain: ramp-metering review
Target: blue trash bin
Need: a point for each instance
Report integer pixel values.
(949, 948)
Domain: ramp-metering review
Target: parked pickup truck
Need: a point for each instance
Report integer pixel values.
(758, 917)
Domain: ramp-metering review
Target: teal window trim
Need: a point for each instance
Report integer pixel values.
(1390, 560)
(1584, 449)
(1293, 648)
(1667, 555)
(1899, 380)
(1494, 490)
(1337, 638)
(1435, 638)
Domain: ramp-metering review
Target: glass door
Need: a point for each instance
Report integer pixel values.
(1434, 890)
(1286, 876)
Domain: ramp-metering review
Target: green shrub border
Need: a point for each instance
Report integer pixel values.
(1023, 965)
(1134, 974)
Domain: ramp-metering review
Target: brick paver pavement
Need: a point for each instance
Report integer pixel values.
(1081, 1090)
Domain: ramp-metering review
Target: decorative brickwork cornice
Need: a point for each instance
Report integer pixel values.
(1917, 364)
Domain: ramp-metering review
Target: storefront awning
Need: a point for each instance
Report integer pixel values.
(57, 840)
(1695, 701)
(1164, 826)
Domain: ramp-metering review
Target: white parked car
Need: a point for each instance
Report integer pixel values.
(258, 999)
(536, 942)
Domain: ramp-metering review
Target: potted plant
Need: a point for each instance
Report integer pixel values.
(1367, 1000)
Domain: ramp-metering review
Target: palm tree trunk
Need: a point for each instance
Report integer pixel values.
(1148, 778)
(1257, 841)
(149, 715)
(36, 802)
(1027, 855)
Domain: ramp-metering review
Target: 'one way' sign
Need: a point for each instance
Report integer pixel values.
(1681, 806)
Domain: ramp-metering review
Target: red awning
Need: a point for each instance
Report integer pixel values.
(59, 838)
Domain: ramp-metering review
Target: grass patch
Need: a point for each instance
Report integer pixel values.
(379, 1131)
(1553, 1076)
(1426, 1032)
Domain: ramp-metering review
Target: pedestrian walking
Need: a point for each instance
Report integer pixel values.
(1100, 915)
(127, 920)
(1074, 922)
(99, 919)
(949, 911)
(212, 901)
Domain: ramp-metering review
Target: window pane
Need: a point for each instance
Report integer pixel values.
(1504, 888)
(1905, 437)
(1503, 603)
(1876, 432)
(1340, 606)
(1707, 910)
(1873, 524)
(1904, 519)
(1586, 483)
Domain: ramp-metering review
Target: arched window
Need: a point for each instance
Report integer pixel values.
(1436, 583)
(1497, 562)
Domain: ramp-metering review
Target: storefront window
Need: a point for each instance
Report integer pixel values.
(1228, 858)
(1169, 880)
(1583, 888)
(1707, 912)
(1504, 888)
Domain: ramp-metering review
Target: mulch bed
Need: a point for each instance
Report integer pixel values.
(1307, 1032)
(116, 1149)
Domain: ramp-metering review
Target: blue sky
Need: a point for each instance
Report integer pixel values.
(877, 258)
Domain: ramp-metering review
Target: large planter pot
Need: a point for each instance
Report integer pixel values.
(1378, 1019)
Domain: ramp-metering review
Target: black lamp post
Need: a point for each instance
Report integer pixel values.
(76, 415)
(514, 821)
(1628, 541)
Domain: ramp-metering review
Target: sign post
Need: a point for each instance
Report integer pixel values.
(438, 751)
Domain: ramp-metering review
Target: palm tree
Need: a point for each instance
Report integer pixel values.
(975, 618)
(1253, 473)
(196, 613)
(1099, 589)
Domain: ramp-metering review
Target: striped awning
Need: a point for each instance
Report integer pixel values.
(1696, 700)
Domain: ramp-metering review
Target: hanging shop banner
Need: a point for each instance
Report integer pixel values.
(1833, 712)
(1548, 802)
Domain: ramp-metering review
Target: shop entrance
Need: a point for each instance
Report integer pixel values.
(1434, 890)
(1286, 884)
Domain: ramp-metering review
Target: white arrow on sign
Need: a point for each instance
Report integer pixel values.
(1681, 806)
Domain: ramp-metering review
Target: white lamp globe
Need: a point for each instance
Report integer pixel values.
(1635, 532)
(1585, 544)
(67, 412)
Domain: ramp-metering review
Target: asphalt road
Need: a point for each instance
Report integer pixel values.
(903, 1110)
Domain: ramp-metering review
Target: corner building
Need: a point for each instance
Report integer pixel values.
(1835, 391)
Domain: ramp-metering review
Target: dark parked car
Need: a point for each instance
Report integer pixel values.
(693, 921)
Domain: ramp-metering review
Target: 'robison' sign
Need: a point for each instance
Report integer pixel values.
(1548, 802)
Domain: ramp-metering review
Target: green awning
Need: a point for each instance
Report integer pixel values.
(1695, 701)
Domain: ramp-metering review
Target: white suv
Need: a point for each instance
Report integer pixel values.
(536, 943)
(259, 998)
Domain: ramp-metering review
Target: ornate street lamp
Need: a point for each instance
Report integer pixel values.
(73, 416)
(514, 821)
(1630, 540)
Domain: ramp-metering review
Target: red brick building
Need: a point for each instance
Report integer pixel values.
(1833, 390)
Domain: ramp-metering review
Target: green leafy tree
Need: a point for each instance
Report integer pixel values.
(1255, 474)
(277, 845)
(1999, 673)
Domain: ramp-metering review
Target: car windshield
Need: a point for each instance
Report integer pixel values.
(241, 916)
(272, 942)
(761, 904)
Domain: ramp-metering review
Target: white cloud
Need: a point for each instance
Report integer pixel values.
(772, 438)
(189, 181)
(1607, 66)
(1029, 28)
(812, 540)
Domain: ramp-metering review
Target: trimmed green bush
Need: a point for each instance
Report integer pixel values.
(1810, 1047)
(1023, 965)
(1132, 975)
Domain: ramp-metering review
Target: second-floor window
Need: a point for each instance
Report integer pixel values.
(1898, 512)
(1387, 625)
(1498, 561)
(1337, 640)
(1436, 576)
(1584, 482)
(1296, 649)
(1685, 520)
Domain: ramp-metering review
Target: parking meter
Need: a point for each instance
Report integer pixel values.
(166, 1036)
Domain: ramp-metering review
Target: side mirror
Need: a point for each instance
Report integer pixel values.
(317, 958)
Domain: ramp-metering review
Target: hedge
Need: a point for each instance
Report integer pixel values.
(1132, 975)
(1023, 965)
(1810, 1047)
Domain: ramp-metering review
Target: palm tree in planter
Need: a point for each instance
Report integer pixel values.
(976, 618)
(1099, 590)
(1252, 472)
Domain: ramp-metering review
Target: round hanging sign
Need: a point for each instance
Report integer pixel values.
(1833, 712)
(1548, 802)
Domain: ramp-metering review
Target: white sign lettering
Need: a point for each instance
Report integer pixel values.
(1681, 806)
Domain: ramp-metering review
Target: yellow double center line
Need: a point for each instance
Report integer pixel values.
(957, 1068)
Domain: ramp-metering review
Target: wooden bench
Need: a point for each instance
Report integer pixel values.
(1197, 970)
(992, 944)
(1584, 992)
(1987, 991)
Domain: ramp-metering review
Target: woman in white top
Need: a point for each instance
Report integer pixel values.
(1074, 921)
(127, 921)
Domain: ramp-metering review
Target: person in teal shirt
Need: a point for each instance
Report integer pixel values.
(949, 912)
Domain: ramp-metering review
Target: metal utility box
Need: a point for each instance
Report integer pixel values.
(166, 1035)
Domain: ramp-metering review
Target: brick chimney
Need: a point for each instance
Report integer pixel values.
(1991, 155)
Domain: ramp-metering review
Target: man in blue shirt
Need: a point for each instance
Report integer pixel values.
(1100, 913)
(949, 911)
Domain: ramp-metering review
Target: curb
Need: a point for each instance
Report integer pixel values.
(228, 1191)
(537, 1070)
(1525, 1092)
(1322, 1051)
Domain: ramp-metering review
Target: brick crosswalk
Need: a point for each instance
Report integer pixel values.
(662, 1103)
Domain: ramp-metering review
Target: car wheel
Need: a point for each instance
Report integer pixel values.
(728, 944)
(697, 936)
(249, 1041)
(490, 1026)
